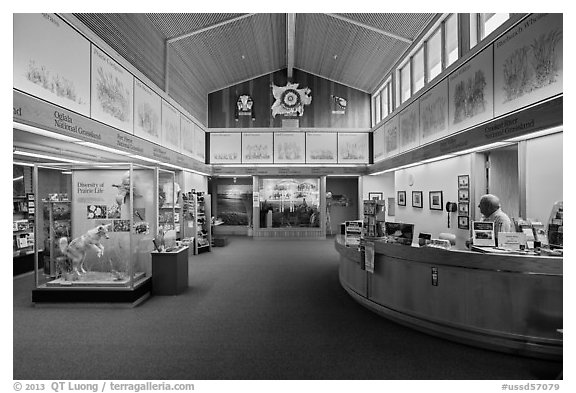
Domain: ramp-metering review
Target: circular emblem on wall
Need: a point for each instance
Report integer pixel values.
(290, 98)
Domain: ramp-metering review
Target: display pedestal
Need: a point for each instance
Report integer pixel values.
(170, 272)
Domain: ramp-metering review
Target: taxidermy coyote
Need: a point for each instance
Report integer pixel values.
(78, 247)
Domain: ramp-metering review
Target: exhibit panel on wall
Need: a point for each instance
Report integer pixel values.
(170, 127)
(147, 113)
(43, 65)
(225, 148)
(391, 137)
(257, 147)
(321, 147)
(289, 147)
(199, 144)
(528, 63)
(434, 113)
(112, 92)
(409, 127)
(378, 144)
(471, 92)
(187, 135)
(352, 148)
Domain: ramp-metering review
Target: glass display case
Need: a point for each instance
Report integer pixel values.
(289, 202)
(168, 202)
(95, 224)
(197, 221)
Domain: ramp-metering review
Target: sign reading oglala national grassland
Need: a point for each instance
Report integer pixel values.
(352, 148)
(528, 62)
(257, 147)
(112, 92)
(471, 92)
(225, 148)
(170, 127)
(147, 113)
(321, 147)
(52, 61)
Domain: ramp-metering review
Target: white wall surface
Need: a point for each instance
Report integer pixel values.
(194, 181)
(380, 183)
(544, 184)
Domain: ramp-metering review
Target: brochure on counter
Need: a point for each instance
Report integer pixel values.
(483, 234)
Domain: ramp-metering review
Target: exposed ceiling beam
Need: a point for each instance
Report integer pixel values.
(195, 32)
(290, 40)
(372, 28)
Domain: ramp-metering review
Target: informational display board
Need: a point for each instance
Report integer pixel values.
(225, 148)
(51, 61)
(471, 92)
(410, 127)
(257, 147)
(352, 233)
(352, 148)
(391, 137)
(289, 147)
(434, 113)
(187, 135)
(483, 234)
(147, 113)
(170, 127)
(528, 63)
(112, 92)
(199, 144)
(321, 147)
(378, 144)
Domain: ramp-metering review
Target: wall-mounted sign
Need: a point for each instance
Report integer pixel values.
(410, 127)
(321, 147)
(338, 105)
(391, 136)
(434, 113)
(378, 144)
(147, 113)
(290, 100)
(352, 148)
(257, 147)
(199, 144)
(528, 63)
(52, 61)
(112, 92)
(244, 106)
(225, 148)
(289, 147)
(187, 135)
(170, 127)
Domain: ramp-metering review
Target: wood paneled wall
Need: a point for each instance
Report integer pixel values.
(222, 103)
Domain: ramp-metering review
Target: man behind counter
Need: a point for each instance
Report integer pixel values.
(490, 208)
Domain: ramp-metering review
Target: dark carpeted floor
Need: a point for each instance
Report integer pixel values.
(254, 310)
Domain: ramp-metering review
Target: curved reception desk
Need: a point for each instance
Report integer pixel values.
(510, 303)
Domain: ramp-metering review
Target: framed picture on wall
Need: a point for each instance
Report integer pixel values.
(375, 196)
(463, 181)
(401, 198)
(417, 199)
(463, 209)
(463, 195)
(436, 201)
(463, 222)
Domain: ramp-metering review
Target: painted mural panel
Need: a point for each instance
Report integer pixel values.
(289, 147)
(321, 147)
(410, 127)
(43, 64)
(528, 63)
(170, 127)
(257, 147)
(352, 148)
(112, 92)
(187, 136)
(199, 144)
(225, 148)
(378, 144)
(434, 113)
(391, 137)
(147, 113)
(471, 92)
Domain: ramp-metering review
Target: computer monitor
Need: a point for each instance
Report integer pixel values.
(403, 233)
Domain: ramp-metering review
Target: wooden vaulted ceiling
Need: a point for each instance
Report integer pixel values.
(209, 52)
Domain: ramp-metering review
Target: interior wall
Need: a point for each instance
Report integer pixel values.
(504, 179)
(193, 181)
(544, 171)
(347, 187)
(383, 183)
(436, 176)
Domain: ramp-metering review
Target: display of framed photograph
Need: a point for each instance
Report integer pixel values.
(463, 209)
(463, 195)
(401, 198)
(435, 199)
(463, 181)
(417, 199)
(375, 196)
(463, 222)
